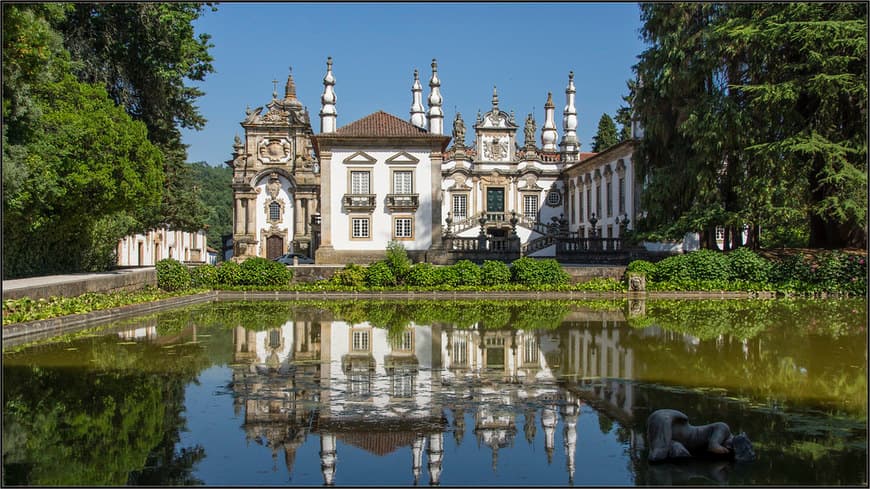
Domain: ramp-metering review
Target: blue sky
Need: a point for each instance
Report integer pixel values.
(525, 49)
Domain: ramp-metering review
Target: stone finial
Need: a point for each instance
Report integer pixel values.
(290, 87)
(436, 115)
(328, 113)
(275, 89)
(549, 135)
(494, 98)
(418, 113)
(570, 145)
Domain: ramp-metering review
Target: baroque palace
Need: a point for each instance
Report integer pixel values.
(341, 195)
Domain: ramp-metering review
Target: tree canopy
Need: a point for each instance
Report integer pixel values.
(755, 115)
(85, 162)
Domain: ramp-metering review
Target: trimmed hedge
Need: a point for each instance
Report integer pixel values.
(172, 275)
(495, 273)
(536, 272)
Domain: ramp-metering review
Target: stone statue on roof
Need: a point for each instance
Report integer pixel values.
(458, 131)
(529, 131)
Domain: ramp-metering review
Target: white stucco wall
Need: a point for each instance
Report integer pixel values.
(159, 244)
(380, 184)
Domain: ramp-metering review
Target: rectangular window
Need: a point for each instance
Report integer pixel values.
(609, 199)
(460, 207)
(622, 195)
(573, 206)
(359, 227)
(580, 202)
(460, 350)
(274, 212)
(530, 207)
(598, 201)
(588, 203)
(404, 343)
(403, 228)
(530, 351)
(361, 341)
(402, 182)
(360, 182)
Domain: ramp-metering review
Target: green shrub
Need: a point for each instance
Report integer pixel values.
(642, 266)
(398, 261)
(708, 265)
(229, 273)
(379, 274)
(204, 276)
(260, 271)
(172, 275)
(746, 265)
(672, 269)
(495, 273)
(535, 271)
(467, 273)
(449, 276)
(423, 275)
(352, 275)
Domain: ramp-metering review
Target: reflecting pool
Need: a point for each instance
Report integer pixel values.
(439, 392)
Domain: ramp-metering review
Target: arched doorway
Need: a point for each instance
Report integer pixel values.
(274, 247)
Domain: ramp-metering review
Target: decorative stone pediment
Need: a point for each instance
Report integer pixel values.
(402, 158)
(496, 119)
(459, 182)
(531, 184)
(495, 178)
(360, 157)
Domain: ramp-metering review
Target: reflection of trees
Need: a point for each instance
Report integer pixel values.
(73, 425)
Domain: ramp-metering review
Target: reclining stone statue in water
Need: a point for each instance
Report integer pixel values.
(670, 436)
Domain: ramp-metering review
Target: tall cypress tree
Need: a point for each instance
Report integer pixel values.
(606, 135)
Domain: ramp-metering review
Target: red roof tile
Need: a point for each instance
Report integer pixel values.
(585, 155)
(382, 124)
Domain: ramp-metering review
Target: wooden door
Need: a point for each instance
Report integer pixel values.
(274, 247)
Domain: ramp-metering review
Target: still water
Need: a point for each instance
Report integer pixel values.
(439, 392)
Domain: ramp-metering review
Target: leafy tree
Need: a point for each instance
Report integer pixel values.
(143, 53)
(78, 172)
(753, 116)
(606, 135)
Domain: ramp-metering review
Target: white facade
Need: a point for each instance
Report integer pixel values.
(603, 187)
(381, 172)
(144, 250)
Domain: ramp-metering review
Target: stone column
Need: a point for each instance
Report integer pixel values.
(298, 216)
(238, 218)
(325, 202)
(435, 189)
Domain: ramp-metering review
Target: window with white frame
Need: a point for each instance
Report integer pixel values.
(530, 207)
(274, 212)
(608, 197)
(403, 228)
(720, 233)
(622, 195)
(359, 227)
(402, 182)
(360, 182)
(361, 340)
(580, 204)
(460, 207)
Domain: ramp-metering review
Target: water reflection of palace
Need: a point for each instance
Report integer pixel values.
(383, 390)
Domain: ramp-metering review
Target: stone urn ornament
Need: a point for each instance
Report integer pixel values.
(670, 437)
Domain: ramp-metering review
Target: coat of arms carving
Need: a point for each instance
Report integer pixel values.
(495, 149)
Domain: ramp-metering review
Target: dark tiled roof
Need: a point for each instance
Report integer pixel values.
(382, 124)
(379, 443)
